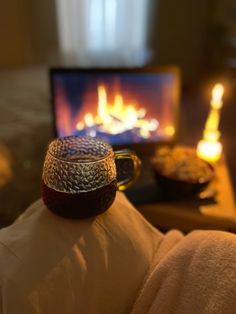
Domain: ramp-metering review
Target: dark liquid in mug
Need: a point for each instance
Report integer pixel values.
(80, 205)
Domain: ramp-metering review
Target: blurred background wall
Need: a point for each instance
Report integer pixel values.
(28, 32)
(15, 33)
(199, 36)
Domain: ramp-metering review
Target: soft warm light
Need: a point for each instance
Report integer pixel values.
(217, 93)
(211, 136)
(209, 148)
(209, 151)
(213, 121)
(88, 118)
(79, 126)
(102, 104)
(170, 130)
(5, 166)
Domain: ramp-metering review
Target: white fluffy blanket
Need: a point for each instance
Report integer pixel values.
(198, 275)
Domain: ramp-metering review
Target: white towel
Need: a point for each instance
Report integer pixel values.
(198, 275)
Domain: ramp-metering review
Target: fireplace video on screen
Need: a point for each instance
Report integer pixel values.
(119, 107)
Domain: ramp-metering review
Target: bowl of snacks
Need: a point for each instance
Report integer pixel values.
(180, 172)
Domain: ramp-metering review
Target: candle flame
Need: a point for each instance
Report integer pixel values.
(217, 93)
(210, 148)
(209, 151)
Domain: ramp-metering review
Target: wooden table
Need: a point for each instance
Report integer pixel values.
(218, 213)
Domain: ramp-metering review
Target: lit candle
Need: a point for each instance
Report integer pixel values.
(213, 119)
(217, 93)
(210, 148)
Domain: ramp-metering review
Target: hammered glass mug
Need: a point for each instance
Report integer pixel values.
(79, 177)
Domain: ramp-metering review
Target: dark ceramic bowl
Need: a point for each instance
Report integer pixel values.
(173, 188)
(194, 177)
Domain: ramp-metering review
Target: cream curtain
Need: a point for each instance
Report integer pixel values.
(104, 32)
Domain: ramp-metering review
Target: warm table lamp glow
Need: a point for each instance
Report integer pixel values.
(210, 148)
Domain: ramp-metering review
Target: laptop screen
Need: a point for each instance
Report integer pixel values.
(120, 106)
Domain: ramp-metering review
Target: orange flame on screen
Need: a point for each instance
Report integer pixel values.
(117, 117)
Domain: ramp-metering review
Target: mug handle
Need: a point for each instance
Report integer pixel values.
(127, 154)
